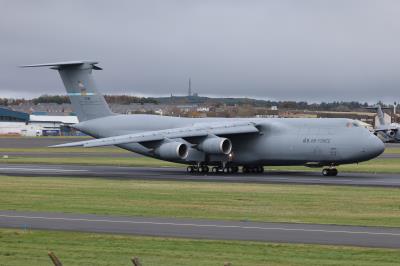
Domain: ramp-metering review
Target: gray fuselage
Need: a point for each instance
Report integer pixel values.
(281, 141)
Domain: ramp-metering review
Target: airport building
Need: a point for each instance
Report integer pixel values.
(24, 124)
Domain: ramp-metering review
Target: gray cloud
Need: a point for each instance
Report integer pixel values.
(314, 50)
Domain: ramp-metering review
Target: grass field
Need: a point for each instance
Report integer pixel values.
(19, 247)
(373, 166)
(392, 150)
(105, 150)
(207, 200)
(134, 161)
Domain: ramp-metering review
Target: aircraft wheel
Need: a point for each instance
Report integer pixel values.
(235, 169)
(190, 169)
(205, 169)
(325, 172)
(330, 172)
(215, 169)
(245, 170)
(260, 169)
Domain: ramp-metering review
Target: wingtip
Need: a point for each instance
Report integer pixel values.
(55, 146)
(66, 145)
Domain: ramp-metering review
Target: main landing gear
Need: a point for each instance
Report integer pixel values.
(253, 169)
(330, 172)
(197, 169)
(228, 169)
(215, 169)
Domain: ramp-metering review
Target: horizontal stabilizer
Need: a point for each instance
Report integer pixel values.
(60, 65)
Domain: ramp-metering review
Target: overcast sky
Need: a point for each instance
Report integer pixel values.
(311, 50)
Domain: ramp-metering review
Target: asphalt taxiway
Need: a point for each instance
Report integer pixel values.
(179, 174)
(383, 237)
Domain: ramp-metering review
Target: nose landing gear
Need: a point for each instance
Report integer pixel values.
(330, 172)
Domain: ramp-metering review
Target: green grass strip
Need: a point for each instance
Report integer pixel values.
(204, 200)
(18, 247)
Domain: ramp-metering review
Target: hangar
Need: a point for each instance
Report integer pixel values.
(24, 124)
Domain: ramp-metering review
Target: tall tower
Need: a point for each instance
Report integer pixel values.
(190, 88)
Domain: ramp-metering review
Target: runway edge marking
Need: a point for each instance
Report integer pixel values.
(200, 225)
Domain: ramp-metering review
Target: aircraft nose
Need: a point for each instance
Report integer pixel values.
(374, 147)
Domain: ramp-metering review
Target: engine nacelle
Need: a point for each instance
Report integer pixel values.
(215, 145)
(392, 133)
(172, 150)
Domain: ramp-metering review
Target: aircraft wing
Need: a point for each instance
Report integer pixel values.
(196, 130)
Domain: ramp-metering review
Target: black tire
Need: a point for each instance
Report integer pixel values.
(333, 172)
(261, 169)
(190, 169)
(205, 169)
(325, 172)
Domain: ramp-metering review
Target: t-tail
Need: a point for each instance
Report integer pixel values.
(86, 101)
(381, 116)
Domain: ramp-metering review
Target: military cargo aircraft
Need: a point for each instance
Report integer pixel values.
(388, 132)
(224, 144)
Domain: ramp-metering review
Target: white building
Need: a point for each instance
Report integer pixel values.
(19, 123)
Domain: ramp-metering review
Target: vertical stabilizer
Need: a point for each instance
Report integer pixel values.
(86, 101)
(381, 116)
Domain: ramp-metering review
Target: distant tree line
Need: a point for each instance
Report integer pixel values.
(216, 102)
(7, 102)
(288, 105)
(126, 99)
(60, 99)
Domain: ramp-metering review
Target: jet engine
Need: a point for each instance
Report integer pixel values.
(215, 145)
(172, 150)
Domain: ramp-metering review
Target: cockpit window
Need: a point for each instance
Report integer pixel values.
(352, 124)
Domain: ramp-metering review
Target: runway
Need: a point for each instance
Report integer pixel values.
(179, 174)
(206, 229)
